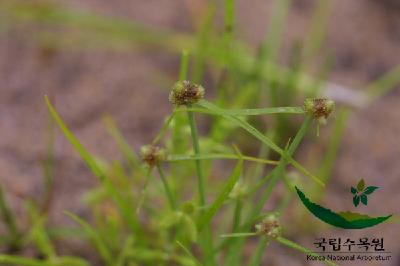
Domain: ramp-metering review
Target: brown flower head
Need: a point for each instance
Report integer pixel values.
(269, 226)
(184, 93)
(319, 108)
(152, 155)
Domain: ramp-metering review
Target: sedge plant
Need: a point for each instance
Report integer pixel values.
(171, 202)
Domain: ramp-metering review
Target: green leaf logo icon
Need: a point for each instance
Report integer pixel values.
(356, 200)
(370, 190)
(360, 193)
(364, 199)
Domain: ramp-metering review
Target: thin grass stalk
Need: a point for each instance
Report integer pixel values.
(296, 246)
(168, 191)
(9, 220)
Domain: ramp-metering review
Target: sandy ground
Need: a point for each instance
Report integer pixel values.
(363, 35)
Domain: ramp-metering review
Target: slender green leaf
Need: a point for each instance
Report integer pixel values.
(190, 254)
(272, 178)
(223, 195)
(97, 241)
(124, 205)
(37, 233)
(248, 112)
(329, 159)
(206, 238)
(256, 258)
(183, 71)
(9, 219)
(167, 188)
(239, 235)
(183, 157)
(75, 142)
(123, 145)
(296, 246)
(20, 261)
(257, 134)
(69, 261)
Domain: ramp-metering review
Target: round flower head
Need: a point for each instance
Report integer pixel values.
(269, 226)
(319, 108)
(185, 93)
(152, 155)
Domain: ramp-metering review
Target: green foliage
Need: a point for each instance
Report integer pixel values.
(138, 219)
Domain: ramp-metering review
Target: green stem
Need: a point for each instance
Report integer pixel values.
(248, 112)
(296, 246)
(273, 178)
(164, 128)
(167, 188)
(196, 148)
(183, 157)
(256, 259)
(184, 65)
(207, 242)
(240, 234)
(13, 260)
(9, 220)
(122, 144)
(237, 215)
(144, 191)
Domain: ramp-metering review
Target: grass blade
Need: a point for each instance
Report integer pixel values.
(296, 246)
(239, 235)
(9, 220)
(206, 237)
(74, 141)
(123, 205)
(97, 241)
(273, 178)
(256, 258)
(257, 134)
(38, 234)
(187, 251)
(183, 157)
(121, 142)
(248, 112)
(20, 261)
(167, 188)
(223, 195)
(333, 146)
(183, 71)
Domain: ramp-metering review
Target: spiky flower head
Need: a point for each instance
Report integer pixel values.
(152, 155)
(185, 93)
(269, 226)
(319, 108)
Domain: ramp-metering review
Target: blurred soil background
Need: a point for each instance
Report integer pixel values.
(363, 36)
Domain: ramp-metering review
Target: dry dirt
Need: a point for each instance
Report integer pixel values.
(364, 36)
